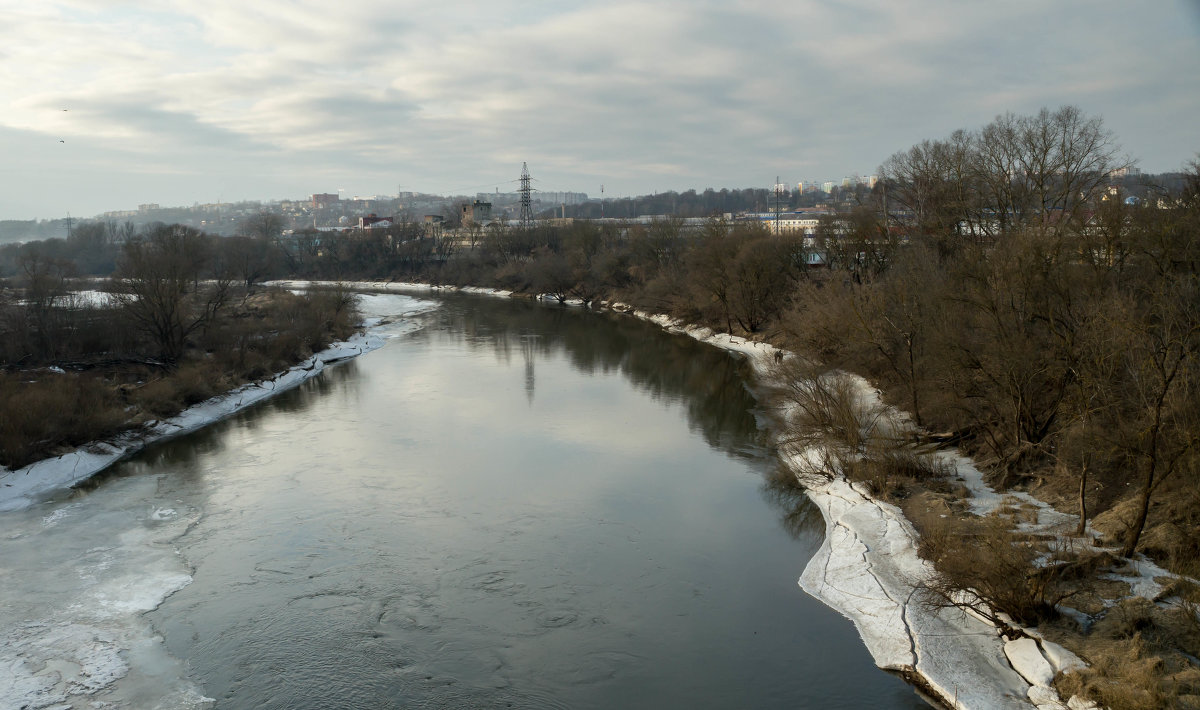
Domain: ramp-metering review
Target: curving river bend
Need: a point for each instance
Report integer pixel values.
(513, 505)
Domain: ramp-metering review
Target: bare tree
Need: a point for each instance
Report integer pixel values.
(1153, 352)
(49, 305)
(1045, 171)
(264, 225)
(248, 258)
(160, 289)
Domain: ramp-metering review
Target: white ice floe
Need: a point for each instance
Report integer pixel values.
(1045, 698)
(71, 627)
(1078, 703)
(1060, 658)
(1027, 659)
(867, 568)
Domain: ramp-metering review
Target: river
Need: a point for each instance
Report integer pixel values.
(512, 505)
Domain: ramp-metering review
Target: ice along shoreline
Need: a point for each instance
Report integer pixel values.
(867, 569)
(23, 487)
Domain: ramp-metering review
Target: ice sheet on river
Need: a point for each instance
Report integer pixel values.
(77, 581)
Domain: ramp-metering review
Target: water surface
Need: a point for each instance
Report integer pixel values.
(516, 505)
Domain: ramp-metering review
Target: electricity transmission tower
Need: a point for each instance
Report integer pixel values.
(526, 217)
(778, 206)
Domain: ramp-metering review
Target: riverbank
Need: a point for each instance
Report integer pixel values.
(868, 569)
(23, 486)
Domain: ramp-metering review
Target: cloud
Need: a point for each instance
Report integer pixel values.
(640, 96)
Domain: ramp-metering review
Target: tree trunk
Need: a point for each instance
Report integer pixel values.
(1135, 531)
(1082, 529)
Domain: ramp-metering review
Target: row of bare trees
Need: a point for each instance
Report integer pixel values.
(1048, 169)
(1034, 315)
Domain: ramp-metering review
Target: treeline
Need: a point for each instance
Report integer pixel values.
(681, 204)
(179, 321)
(997, 284)
(1049, 324)
(706, 203)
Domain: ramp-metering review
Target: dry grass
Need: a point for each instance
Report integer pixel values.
(43, 416)
(894, 473)
(1139, 658)
(43, 413)
(190, 383)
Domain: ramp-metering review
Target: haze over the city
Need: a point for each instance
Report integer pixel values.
(112, 104)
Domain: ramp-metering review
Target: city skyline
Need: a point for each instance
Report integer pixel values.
(111, 105)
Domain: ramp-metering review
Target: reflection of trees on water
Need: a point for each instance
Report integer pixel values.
(707, 382)
(798, 514)
(181, 454)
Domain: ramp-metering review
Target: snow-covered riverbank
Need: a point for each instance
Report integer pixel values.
(22, 487)
(868, 569)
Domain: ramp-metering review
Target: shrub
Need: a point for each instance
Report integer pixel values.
(982, 565)
(54, 412)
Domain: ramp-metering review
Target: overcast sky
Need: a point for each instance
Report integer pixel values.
(178, 101)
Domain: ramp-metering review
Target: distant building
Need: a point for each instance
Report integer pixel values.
(562, 198)
(799, 222)
(322, 200)
(371, 221)
(434, 224)
(478, 212)
(827, 186)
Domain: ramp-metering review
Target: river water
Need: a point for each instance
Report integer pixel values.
(513, 505)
